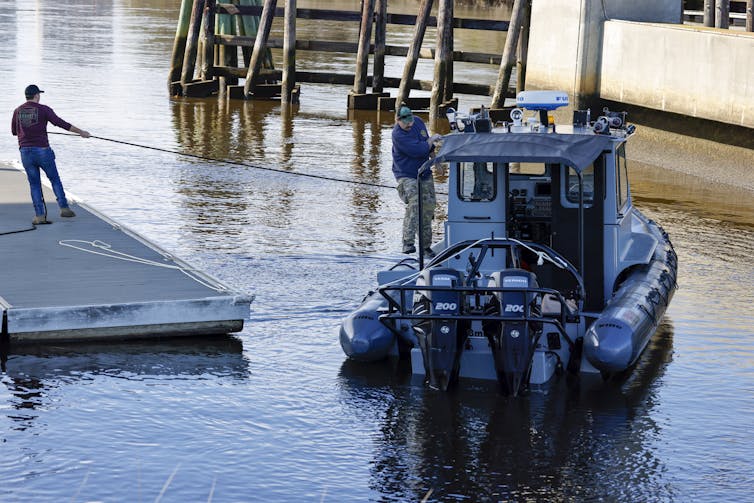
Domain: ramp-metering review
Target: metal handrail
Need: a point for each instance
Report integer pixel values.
(396, 310)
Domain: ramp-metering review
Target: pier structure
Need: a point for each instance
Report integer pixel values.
(89, 278)
(209, 35)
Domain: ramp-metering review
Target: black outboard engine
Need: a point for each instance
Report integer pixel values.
(441, 340)
(513, 341)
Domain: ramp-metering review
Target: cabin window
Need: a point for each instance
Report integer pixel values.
(477, 181)
(572, 185)
(621, 176)
(528, 168)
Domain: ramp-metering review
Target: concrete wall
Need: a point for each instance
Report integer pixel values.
(554, 44)
(566, 38)
(700, 72)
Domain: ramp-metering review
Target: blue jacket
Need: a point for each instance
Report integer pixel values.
(410, 150)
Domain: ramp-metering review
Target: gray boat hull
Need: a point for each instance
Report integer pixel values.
(614, 342)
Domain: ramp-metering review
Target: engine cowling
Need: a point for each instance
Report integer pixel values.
(513, 340)
(441, 340)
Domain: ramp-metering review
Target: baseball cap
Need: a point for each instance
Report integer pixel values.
(31, 90)
(405, 115)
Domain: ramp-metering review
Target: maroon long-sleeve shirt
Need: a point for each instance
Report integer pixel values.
(30, 124)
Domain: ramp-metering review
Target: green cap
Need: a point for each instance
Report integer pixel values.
(405, 115)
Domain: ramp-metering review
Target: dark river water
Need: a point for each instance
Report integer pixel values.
(275, 413)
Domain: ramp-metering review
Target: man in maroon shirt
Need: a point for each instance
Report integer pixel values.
(30, 125)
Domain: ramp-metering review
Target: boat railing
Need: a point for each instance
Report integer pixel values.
(396, 298)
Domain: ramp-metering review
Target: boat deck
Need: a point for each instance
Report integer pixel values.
(53, 292)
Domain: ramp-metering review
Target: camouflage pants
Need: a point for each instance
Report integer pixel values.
(408, 191)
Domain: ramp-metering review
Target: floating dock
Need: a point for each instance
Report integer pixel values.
(89, 278)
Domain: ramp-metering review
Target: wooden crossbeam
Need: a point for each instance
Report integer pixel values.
(351, 47)
(347, 80)
(340, 15)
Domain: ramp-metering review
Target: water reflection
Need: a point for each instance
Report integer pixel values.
(570, 441)
(33, 374)
(257, 204)
(366, 202)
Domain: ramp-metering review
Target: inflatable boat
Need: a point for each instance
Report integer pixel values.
(545, 267)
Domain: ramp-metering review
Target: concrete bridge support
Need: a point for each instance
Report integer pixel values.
(565, 43)
(638, 52)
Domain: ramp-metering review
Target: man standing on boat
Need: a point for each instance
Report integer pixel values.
(30, 125)
(412, 146)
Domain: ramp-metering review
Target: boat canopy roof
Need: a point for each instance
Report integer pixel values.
(575, 150)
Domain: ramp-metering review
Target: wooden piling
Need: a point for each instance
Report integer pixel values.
(257, 56)
(362, 55)
(509, 55)
(208, 23)
(709, 13)
(179, 44)
(749, 15)
(450, 46)
(409, 68)
(222, 28)
(192, 42)
(246, 26)
(722, 13)
(380, 39)
(289, 52)
(523, 48)
(241, 32)
(442, 87)
(227, 56)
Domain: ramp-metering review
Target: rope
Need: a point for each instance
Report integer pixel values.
(33, 227)
(541, 256)
(114, 254)
(240, 163)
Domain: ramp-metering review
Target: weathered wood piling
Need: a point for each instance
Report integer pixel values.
(205, 53)
(289, 52)
(509, 54)
(412, 58)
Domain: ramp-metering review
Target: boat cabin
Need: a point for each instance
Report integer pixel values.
(567, 189)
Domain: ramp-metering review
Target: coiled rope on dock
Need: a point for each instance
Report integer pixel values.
(241, 163)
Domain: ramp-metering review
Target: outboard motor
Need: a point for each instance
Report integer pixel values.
(441, 340)
(513, 341)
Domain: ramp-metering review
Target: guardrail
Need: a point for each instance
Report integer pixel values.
(723, 14)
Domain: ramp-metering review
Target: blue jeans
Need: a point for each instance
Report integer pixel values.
(34, 159)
